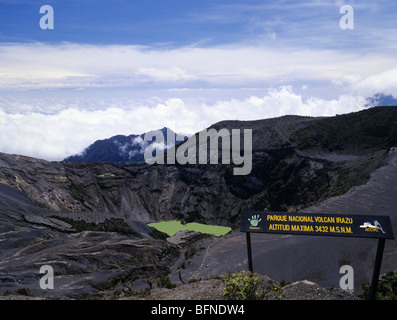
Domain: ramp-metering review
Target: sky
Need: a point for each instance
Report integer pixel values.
(131, 66)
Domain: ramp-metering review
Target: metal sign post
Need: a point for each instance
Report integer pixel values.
(338, 225)
(249, 252)
(376, 273)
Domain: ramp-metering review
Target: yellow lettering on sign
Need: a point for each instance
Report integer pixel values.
(279, 227)
(339, 229)
(302, 227)
(277, 217)
(321, 228)
(300, 219)
(344, 220)
(324, 219)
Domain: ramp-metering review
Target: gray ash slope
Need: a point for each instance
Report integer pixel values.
(297, 163)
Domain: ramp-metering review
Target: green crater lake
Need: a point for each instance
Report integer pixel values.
(172, 227)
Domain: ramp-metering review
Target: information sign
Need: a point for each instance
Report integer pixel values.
(320, 224)
(341, 225)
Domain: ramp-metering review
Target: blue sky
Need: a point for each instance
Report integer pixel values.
(206, 22)
(122, 67)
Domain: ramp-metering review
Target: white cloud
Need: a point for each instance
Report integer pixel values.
(172, 74)
(348, 79)
(384, 82)
(43, 66)
(67, 132)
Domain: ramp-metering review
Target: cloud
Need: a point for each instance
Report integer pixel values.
(68, 132)
(384, 82)
(78, 66)
(348, 79)
(172, 74)
(133, 147)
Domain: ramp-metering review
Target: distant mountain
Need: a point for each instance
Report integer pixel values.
(120, 149)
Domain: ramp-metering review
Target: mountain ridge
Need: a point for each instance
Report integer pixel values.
(120, 149)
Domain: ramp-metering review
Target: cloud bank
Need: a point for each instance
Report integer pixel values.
(67, 65)
(58, 135)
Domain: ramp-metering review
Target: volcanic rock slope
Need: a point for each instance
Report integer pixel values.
(89, 220)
